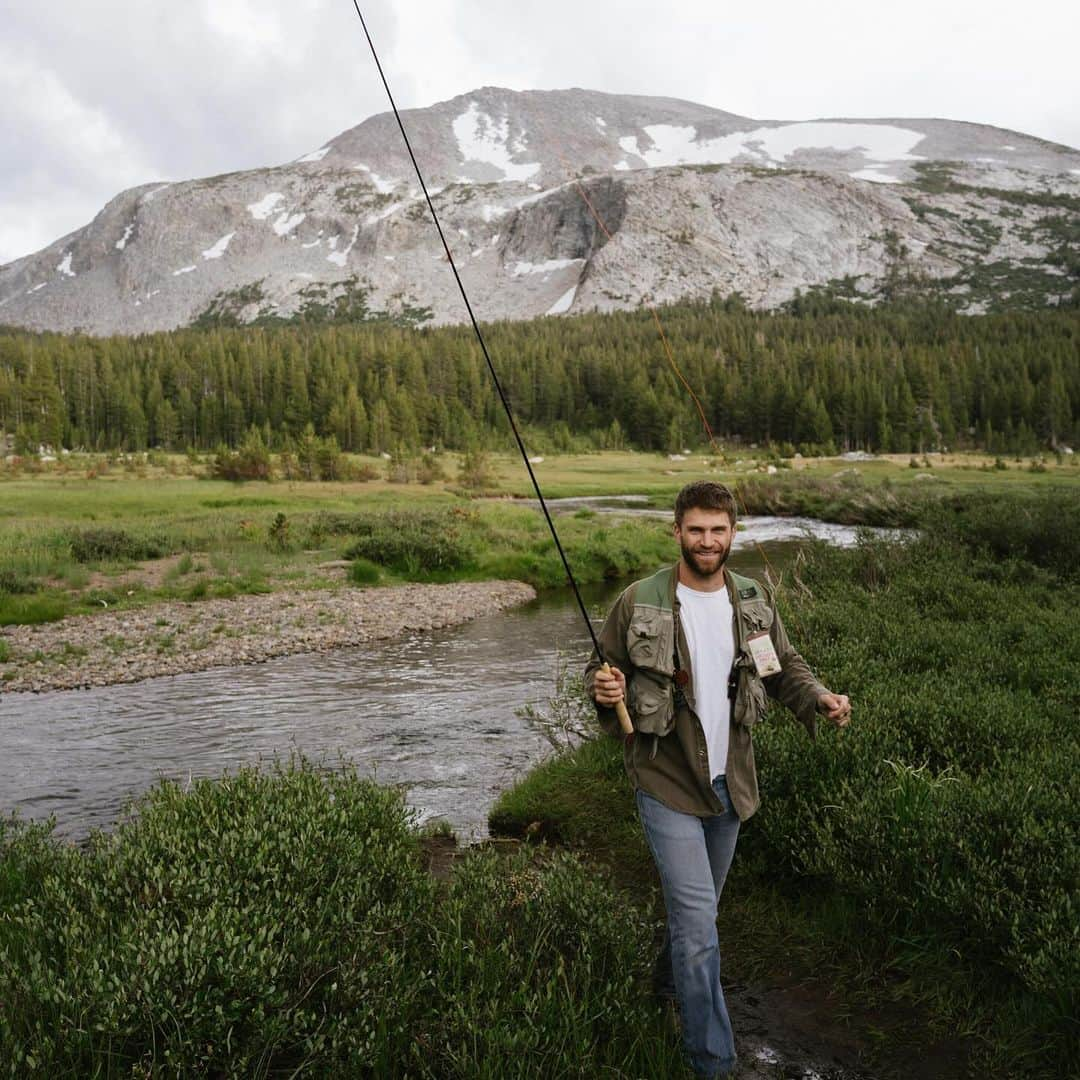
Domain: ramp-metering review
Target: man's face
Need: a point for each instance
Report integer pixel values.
(705, 539)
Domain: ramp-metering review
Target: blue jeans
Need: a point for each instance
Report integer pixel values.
(693, 855)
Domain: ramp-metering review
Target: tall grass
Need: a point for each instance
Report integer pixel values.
(46, 564)
(502, 542)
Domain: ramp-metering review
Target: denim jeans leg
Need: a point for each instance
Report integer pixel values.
(693, 855)
(720, 836)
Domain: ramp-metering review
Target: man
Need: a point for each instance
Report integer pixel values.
(694, 650)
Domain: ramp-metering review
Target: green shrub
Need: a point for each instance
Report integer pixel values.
(539, 962)
(335, 523)
(430, 469)
(282, 923)
(364, 572)
(114, 545)
(269, 918)
(31, 610)
(12, 583)
(316, 458)
(1041, 528)
(250, 462)
(476, 471)
(278, 533)
(941, 815)
(415, 542)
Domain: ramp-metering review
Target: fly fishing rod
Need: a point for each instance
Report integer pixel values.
(620, 708)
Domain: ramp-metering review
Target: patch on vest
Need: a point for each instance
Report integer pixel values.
(748, 593)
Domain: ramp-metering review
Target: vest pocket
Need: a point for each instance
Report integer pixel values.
(751, 701)
(651, 704)
(756, 615)
(650, 641)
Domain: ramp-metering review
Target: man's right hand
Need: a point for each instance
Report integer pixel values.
(609, 687)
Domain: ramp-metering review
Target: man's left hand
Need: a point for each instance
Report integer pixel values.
(836, 707)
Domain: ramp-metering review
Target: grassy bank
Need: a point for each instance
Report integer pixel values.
(928, 854)
(78, 535)
(132, 544)
(283, 923)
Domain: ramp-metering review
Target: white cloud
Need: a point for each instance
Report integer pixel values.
(76, 157)
(252, 29)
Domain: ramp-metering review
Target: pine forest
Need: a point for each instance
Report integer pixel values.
(820, 376)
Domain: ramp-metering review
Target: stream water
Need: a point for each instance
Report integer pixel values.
(437, 712)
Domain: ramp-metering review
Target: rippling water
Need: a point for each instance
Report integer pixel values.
(434, 712)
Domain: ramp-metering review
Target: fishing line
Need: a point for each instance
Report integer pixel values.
(483, 346)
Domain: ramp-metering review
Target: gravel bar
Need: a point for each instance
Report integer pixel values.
(169, 638)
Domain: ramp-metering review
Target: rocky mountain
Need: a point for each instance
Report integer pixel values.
(691, 200)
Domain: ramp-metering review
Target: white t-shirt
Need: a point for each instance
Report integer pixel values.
(707, 623)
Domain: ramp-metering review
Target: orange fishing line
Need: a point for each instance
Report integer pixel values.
(773, 576)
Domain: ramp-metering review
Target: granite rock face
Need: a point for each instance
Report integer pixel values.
(564, 201)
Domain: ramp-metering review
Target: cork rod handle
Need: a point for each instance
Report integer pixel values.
(620, 708)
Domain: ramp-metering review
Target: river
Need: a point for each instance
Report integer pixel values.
(437, 713)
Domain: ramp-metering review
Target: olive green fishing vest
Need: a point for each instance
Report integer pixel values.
(650, 645)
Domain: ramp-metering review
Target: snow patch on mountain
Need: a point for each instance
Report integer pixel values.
(562, 305)
(182, 270)
(481, 138)
(218, 248)
(64, 266)
(377, 215)
(122, 242)
(262, 209)
(874, 175)
(287, 222)
(383, 187)
(547, 267)
(679, 145)
(339, 257)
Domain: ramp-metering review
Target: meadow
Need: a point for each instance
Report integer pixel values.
(920, 868)
(90, 531)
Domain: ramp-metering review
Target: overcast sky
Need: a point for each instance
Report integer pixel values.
(106, 94)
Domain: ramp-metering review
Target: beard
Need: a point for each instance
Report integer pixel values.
(705, 567)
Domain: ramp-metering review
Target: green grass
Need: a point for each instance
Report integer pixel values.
(282, 923)
(31, 610)
(926, 854)
(364, 572)
(68, 542)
